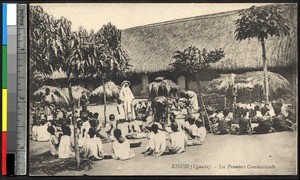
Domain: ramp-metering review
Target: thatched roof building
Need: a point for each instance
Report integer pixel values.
(151, 47)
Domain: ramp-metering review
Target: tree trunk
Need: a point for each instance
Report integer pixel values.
(265, 65)
(104, 99)
(201, 99)
(74, 121)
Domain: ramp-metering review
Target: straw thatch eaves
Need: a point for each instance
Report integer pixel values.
(151, 47)
(61, 98)
(278, 85)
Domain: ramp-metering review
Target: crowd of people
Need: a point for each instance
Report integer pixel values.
(186, 125)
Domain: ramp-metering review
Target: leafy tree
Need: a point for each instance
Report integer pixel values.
(54, 47)
(191, 61)
(261, 23)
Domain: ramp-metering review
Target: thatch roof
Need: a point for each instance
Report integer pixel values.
(61, 98)
(77, 91)
(112, 92)
(162, 87)
(278, 85)
(151, 47)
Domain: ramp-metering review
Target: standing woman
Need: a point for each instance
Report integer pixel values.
(127, 98)
(48, 102)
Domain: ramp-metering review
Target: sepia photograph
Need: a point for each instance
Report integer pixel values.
(185, 89)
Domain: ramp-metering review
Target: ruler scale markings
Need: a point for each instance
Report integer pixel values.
(21, 90)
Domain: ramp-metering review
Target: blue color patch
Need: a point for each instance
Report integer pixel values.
(4, 24)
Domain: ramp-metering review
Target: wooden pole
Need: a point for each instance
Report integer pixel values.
(202, 102)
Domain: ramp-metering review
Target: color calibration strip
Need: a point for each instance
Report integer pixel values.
(9, 87)
(4, 87)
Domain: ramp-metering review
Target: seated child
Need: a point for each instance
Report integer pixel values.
(35, 125)
(93, 147)
(157, 142)
(197, 133)
(121, 147)
(290, 119)
(244, 123)
(65, 149)
(85, 127)
(149, 121)
(53, 141)
(178, 140)
(264, 123)
(42, 133)
(110, 126)
(279, 122)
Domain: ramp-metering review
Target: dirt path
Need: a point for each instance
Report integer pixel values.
(219, 155)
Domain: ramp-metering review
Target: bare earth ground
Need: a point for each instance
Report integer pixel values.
(219, 155)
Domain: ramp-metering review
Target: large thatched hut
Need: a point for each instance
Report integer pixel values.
(151, 47)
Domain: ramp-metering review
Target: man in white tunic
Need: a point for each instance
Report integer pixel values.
(127, 98)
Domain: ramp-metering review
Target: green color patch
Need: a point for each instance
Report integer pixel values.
(4, 67)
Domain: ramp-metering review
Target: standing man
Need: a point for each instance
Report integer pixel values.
(48, 102)
(127, 98)
(193, 98)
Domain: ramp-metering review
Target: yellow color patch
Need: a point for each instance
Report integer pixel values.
(4, 110)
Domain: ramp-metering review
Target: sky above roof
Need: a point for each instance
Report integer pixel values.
(126, 15)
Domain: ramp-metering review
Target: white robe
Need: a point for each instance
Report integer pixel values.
(178, 142)
(93, 148)
(157, 142)
(65, 149)
(52, 144)
(194, 101)
(127, 97)
(122, 151)
(42, 133)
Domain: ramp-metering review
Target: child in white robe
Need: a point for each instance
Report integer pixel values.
(42, 133)
(178, 140)
(93, 147)
(53, 141)
(35, 125)
(157, 142)
(65, 149)
(121, 147)
(197, 133)
(110, 126)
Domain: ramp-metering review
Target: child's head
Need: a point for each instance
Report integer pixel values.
(277, 110)
(174, 126)
(199, 123)
(226, 112)
(243, 112)
(264, 110)
(66, 130)
(111, 117)
(92, 132)
(95, 115)
(256, 108)
(117, 133)
(191, 120)
(119, 101)
(68, 121)
(90, 115)
(154, 128)
(51, 130)
(43, 122)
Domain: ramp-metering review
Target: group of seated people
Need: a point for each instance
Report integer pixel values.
(270, 118)
(173, 138)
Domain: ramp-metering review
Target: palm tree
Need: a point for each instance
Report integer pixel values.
(261, 23)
